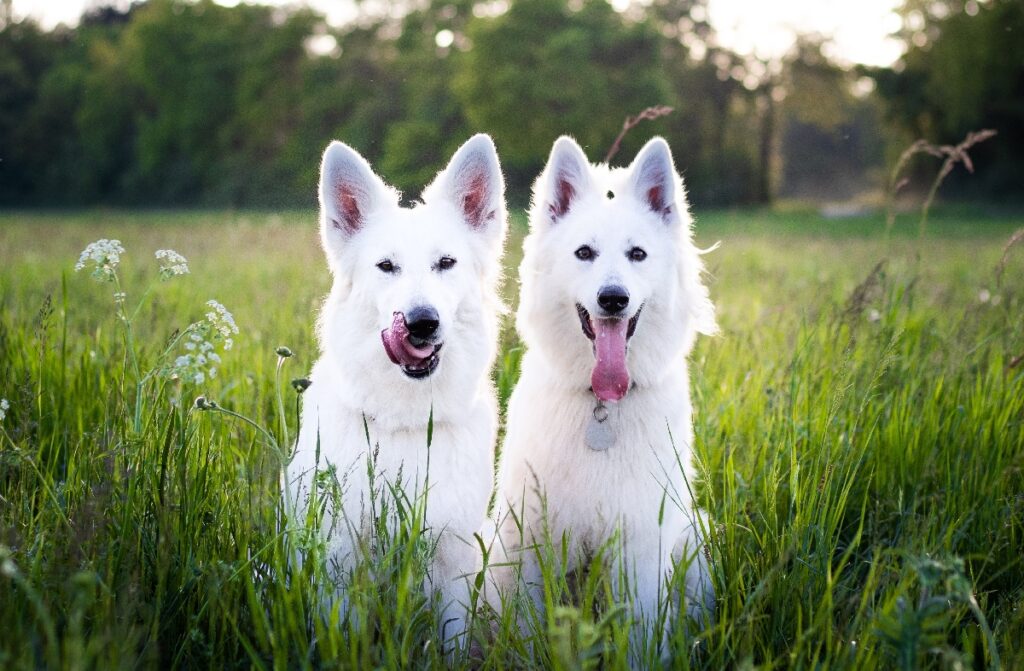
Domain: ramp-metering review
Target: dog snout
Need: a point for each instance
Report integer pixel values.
(613, 299)
(422, 322)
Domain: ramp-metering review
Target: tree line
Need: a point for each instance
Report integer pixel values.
(170, 102)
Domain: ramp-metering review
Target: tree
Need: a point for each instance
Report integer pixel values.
(216, 90)
(26, 55)
(432, 124)
(710, 130)
(963, 71)
(550, 67)
(830, 139)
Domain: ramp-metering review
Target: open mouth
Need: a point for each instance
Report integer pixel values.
(424, 367)
(610, 378)
(588, 326)
(416, 357)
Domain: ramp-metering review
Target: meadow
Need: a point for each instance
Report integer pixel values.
(859, 435)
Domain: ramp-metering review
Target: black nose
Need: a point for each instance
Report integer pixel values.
(613, 299)
(422, 322)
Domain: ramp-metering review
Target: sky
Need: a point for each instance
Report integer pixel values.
(859, 29)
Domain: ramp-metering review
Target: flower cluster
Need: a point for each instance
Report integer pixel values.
(4, 407)
(222, 321)
(171, 263)
(201, 341)
(103, 256)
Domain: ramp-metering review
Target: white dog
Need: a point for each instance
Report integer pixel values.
(407, 333)
(599, 425)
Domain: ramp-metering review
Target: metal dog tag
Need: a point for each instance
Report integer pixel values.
(600, 436)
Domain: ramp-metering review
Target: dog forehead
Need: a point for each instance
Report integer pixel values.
(418, 231)
(610, 223)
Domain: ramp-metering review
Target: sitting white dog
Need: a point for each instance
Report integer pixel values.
(599, 426)
(408, 333)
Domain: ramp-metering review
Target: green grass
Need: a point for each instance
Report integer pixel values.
(860, 436)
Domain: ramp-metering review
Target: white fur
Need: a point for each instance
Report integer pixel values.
(354, 381)
(547, 470)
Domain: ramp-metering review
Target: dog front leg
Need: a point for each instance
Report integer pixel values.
(456, 563)
(698, 592)
(640, 582)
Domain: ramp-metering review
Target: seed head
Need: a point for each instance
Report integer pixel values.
(283, 352)
(301, 384)
(203, 403)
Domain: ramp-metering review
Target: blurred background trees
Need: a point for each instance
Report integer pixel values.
(174, 102)
(963, 70)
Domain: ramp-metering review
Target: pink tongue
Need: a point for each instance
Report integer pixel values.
(398, 347)
(610, 379)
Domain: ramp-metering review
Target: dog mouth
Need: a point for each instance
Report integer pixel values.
(588, 326)
(416, 357)
(610, 377)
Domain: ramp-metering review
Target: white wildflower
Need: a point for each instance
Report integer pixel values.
(171, 263)
(984, 296)
(119, 297)
(4, 407)
(221, 319)
(874, 315)
(201, 342)
(104, 256)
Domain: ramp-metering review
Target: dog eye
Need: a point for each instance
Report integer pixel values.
(585, 253)
(446, 263)
(636, 254)
(386, 266)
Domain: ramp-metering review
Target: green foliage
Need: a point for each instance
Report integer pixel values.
(859, 436)
(191, 103)
(963, 72)
(831, 140)
(26, 54)
(588, 69)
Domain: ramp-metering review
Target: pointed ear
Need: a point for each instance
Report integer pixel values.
(349, 191)
(654, 177)
(565, 178)
(474, 184)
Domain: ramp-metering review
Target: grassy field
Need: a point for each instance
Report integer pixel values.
(860, 431)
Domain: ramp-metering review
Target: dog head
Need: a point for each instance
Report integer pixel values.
(406, 279)
(610, 253)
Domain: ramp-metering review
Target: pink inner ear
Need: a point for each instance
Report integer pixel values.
(655, 199)
(564, 193)
(348, 206)
(474, 201)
